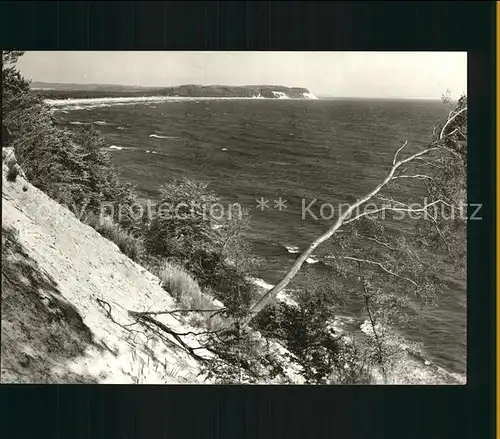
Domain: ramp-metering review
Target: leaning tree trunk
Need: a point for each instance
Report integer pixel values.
(270, 295)
(297, 265)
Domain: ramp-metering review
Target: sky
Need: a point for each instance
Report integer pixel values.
(342, 74)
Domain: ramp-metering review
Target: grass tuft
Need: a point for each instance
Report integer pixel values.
(188, 294)
(128, 244)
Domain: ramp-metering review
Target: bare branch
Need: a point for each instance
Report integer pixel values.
(379, 264)
(144, 318)
(398, 209)
(451, 151)
(436, 225)
(156, 313)
(413, 176)
(457, 130)
(450, 119)
(296, 266)
(377, 241)
(397, 152)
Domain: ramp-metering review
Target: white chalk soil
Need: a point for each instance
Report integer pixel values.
(67, 293)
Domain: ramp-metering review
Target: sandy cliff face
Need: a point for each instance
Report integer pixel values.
(67, 294)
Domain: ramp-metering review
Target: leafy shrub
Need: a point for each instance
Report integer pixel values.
(242, 356)
(71, 167)
(305, 329)
(183, 230)
(182, 224)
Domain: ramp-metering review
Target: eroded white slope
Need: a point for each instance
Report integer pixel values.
(102, 284)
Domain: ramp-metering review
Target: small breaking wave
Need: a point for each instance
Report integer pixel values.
(116, 147)
(282, 295)
(292, 249)
(413, 367)
(87, 103)
(101, 122)
(159, 136)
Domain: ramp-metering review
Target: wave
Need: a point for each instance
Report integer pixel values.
(339, 325)
(100, 122)
(414, 367)
(224, 149)
(78, 123)
(292, 249)
(282, 295)
(116, 147)
(158, 136)
(85, 103)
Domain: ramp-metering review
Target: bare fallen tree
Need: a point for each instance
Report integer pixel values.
(448, 140)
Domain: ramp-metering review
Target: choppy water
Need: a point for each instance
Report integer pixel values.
(329, 150)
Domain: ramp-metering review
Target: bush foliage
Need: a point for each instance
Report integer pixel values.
(183, 230)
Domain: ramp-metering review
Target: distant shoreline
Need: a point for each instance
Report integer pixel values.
(83, 101)
(68, 102)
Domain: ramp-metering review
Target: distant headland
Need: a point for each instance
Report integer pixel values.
(82, 91)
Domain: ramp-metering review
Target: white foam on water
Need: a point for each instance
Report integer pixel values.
(282, 295)
(115, 147)
(224, 149)
(100, 122)
(87, 103)
(292, 249)
(312, 261)
(160, 136)
(413, 367)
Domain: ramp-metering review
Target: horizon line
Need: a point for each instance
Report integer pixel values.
(427, 98)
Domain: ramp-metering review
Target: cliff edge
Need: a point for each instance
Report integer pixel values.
(69, 298)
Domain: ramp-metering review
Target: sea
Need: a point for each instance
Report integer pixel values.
(275, 157)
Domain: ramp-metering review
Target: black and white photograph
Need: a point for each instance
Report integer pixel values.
(234, 217)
